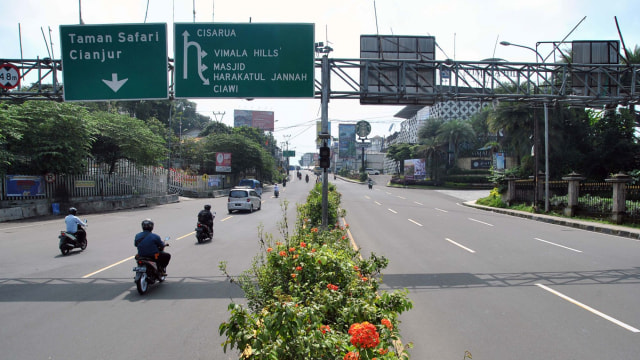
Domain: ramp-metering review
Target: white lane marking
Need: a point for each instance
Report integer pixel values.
(402, 197)
(462, 246)
(377, 203)
(367, 197)
(127, 259)
(588, 308)
(415, 202)
(415, 222)
(481, 222)
(393, 211)
(444, 211)
(558, 245)
(108, 267)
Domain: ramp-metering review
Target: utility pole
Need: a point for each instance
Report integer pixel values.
(324, 126)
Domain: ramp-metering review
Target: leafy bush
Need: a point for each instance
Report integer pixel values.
(311, 296)
(494, 199)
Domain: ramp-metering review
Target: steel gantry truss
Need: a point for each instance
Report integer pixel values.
(421, 82)
(414, 82)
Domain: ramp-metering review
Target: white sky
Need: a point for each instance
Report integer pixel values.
(466, 30)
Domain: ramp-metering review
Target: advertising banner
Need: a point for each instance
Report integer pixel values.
(415, 169)
(223, 162)
(258, 119)
(21, 185)
(347, 141)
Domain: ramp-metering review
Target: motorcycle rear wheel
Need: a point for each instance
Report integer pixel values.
(64, 250)
(83, 245)
(142, 285)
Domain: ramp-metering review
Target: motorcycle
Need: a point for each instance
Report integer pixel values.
(370, 185)
(276, 193)
(147, 272)
(203, 232)
(69, 241)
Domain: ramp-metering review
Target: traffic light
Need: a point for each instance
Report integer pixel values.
(325, 157)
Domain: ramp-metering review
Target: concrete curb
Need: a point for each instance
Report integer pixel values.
(578, 224)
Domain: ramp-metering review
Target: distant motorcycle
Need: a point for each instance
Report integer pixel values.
(203, 232)
(276, 193)
(69, 242)
(147, 272)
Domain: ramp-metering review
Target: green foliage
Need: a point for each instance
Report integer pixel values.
(311, 212)
(309, 295)
(124, 137)
(494, 199)
(54, 137)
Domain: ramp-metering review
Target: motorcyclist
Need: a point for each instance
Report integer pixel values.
(75, 224)
(206, 217)
(370, 182)
(276, 190)
(306, 178)
(151, 246)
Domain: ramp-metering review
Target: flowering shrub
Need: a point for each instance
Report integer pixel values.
(311, 296)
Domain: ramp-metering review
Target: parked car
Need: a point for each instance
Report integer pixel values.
(372, 171)
(253, 184)
(243, 198)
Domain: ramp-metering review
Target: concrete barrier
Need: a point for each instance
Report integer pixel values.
(44, 208)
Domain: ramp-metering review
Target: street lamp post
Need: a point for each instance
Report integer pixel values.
(546, 135)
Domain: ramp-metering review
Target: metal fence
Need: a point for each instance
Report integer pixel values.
(595, 198)
(126, 180)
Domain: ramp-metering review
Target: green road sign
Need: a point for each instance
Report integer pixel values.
(216, 60)
(289, 153)
(114, 62)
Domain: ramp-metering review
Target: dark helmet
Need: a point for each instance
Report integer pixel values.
(207, 207)
(73, 211)
(147, 225)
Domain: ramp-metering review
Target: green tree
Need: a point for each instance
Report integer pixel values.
(10, 132)
(123, 137)
(455, 133)
(399, 153)
(514, 121)
(55, 138)
(247, 156)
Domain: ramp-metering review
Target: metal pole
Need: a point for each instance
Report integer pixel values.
(324, 128)
(546, 158)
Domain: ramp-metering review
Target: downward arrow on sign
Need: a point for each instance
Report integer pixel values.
(115, 84)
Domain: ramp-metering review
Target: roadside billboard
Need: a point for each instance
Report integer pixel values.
(258, 119)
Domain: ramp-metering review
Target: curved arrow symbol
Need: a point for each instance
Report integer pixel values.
(115, 84)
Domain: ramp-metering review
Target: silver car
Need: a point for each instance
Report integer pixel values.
(243, 198)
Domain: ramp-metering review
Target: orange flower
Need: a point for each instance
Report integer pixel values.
(283, 253)
(355, 267)
(383, 351)
(313, 250)
(325, 328)
(292, 249)
(314, 230)
(303, 244)
(387, 323)
(296, 256)
(351, 356)
(332, 287)
(344, 237)
(298, 268)
(364, 335)
(364, 278)
(294, 275)
(269, 249)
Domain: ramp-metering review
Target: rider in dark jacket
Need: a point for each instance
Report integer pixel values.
(151, 246)
(206, 217)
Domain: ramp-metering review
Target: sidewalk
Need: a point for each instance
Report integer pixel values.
(616, 230)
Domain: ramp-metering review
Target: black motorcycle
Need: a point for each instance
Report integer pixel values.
(202, 233)
(147, 273)
(69, 241)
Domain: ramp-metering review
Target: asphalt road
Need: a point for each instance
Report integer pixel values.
(85, 305)
(500, 287)
(497, 286)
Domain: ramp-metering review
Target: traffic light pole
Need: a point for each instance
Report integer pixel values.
(324, 129)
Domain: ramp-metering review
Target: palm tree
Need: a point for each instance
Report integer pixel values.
(515, 121)
(455, 133)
